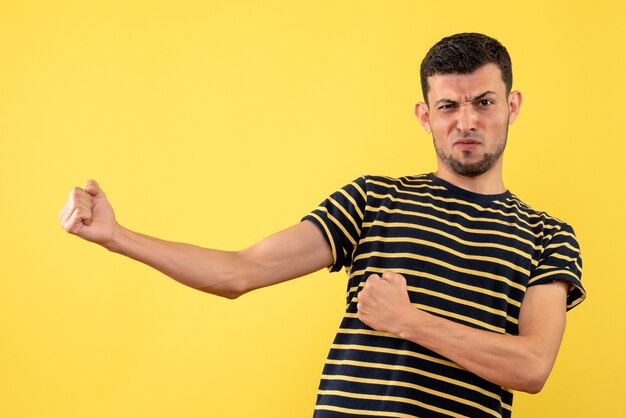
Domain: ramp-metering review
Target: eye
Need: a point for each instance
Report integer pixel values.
(485, 102)
(447, 106)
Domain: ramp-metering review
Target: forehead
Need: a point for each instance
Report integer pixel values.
(464, 86)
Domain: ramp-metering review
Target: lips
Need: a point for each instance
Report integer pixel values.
(466, 141)
(467, 144)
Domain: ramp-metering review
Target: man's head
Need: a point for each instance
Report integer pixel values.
(468, 103)
(464, 53)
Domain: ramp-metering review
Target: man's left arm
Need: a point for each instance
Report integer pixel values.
(521, 362)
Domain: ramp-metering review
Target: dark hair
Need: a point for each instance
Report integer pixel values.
(464, 53)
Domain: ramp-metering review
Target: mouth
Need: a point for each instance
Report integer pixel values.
(466, 144)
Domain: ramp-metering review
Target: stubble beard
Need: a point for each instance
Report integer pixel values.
(472, 169)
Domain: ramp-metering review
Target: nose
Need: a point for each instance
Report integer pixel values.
(466, 118)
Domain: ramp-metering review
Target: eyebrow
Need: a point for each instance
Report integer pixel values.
(475, 98)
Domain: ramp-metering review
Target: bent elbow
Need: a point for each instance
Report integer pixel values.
(534, 381)
(533, 387)
(230, 289)
(231, 294)
(224, 293)
(234, 290)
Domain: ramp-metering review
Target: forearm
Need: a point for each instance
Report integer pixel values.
(521, 362)
(516, 362)
(213, 271)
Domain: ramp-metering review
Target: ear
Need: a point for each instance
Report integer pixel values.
(423, 115)
(515, 102)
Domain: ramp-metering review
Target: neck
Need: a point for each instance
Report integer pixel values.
(487, 183)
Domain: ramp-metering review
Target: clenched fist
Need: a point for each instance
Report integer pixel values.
(384, 302)
(88, 214)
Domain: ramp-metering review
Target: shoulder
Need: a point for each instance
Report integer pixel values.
(539, 217)
(548, 230)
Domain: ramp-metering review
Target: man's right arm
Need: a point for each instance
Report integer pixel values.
(293, 252)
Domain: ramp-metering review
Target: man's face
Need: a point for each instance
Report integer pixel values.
(468, 116)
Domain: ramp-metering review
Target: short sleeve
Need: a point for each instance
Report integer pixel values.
(340, 219)
(561, 260)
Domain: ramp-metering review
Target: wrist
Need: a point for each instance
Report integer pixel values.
(114, 244)
(408, 323)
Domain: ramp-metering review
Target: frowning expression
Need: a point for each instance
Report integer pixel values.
(468, 116)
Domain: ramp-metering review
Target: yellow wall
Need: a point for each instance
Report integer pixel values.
(218, 123)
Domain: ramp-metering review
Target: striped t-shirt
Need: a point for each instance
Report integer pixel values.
(466, 257)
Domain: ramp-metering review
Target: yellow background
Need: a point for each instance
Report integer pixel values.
(220, 122)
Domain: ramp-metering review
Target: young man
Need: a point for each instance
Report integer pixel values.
(457, 290)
